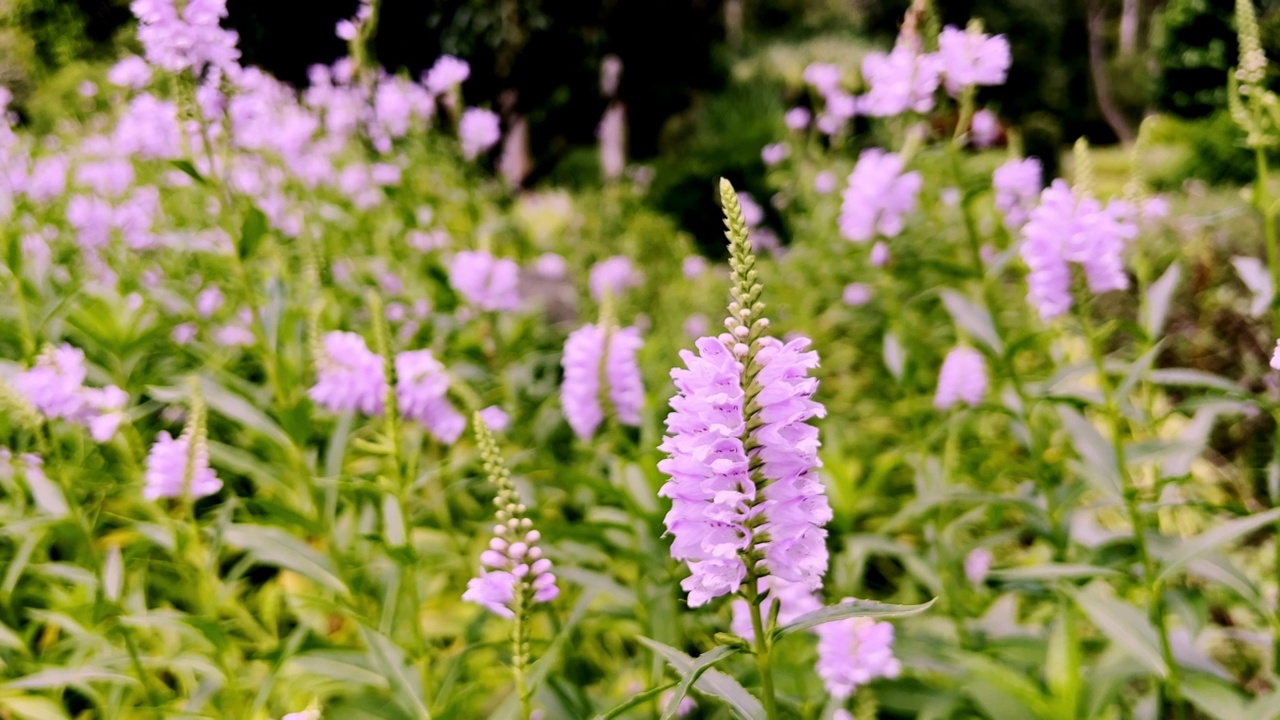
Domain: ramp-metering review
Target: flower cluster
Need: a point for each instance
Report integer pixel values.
(479, 130)
(593, 355)
(514, 572)
(487, 282)
(878, 197)
(740, 452)
(853, 652)
(613, 275)
(970, 58)
(349, 376)
(1017, 185)
(1069, 227)
(179, 467)
(352, 378)
(55, 387)
(901, 80)
(192, 39)
(963, 378)
(422, 387)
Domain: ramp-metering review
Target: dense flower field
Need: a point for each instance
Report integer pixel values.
(306, 413)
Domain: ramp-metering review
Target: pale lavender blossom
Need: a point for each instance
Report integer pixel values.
(963, 378)
(879, 256)
(904, 79)
(349, 376)
(696, 325)
(853, 652)
(495, 418)
(970, 58)
(857, 294)
(984, 128)
(176, 469)
(752, 213)
(447, 73)
(422, 387)
(131, 72)
(775, 153)
(593, 355)
(208, 301)
(192, 39)
(613, 275)
(1073, 228)
(55, 388)
(184, 333)
(234, 335)
(487, 282)
(612, 134)
(823, 77)
(478, 130)
(551, 265)
(878, 197)
(825, 182)
(798, 118)
(977, 565)
(495, 590)
(1017, 185)
(693, 266)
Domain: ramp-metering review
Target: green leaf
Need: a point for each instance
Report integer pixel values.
(850, 609)
(1159, 295)
(187, 167)
(48, 496)
(273, 546)
(251, 232)
(1186, 377)
(973, 318)
(1215, 698)
(113, 574)
(60, 677)
(636, 701)
(713, 682)
(702, 664)
(1220, 534)
(1051, 571)
(1125, 625)
(389, 660)
(33, 707)
(1097, 453)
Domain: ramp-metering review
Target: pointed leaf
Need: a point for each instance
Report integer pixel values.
(1257, 278)
(1125, 626)
(1220, 534)
(1186, 377)
(973, 318)
(702, 664)
(713, 682)
(850, 609)
(389, 660)
(1159, 295)
(33, 707)
(273, 546)
(1097, 453)
(251, 232)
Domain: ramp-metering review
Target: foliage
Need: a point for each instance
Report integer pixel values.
(1094, 532)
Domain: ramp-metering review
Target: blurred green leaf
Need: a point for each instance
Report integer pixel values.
(273, 546)
(712, 682)
(1125, 626)
(850, 609)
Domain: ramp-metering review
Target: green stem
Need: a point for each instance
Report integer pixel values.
(763, 648)
(24, 317)
(520, 649)
(1170, 688)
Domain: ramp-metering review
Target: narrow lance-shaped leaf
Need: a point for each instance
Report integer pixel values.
(1125, 626)
(1159, 295)
(850, 609)
(973, 318)
(713, 682)
(1215, 537)
(702, 664)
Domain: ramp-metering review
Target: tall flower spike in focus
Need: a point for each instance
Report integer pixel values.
(741, 455)
(514, 573)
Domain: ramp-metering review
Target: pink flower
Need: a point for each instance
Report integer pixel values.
(487, 282)
(963, 378)
(175, 469)
(350, 376)
(479, 130)
(970, 58)
(902, 80)
(422, 386)
(853, 652)
(878, 197)
(615, 275)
